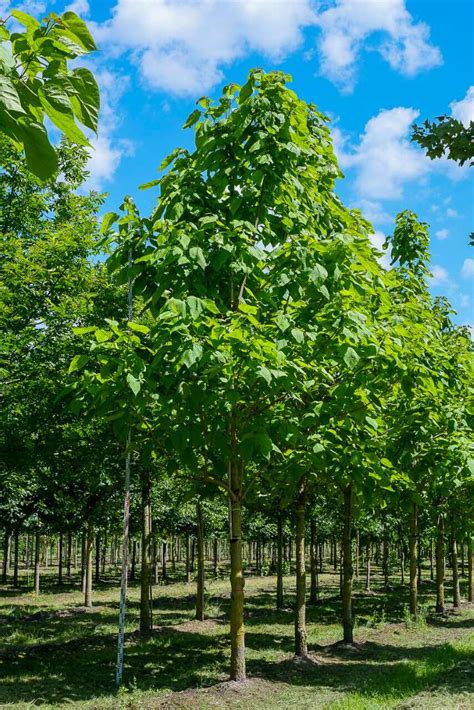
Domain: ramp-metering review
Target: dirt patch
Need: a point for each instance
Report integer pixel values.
(223, 695)
(194, 626)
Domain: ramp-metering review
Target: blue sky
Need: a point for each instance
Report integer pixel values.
(374, 66)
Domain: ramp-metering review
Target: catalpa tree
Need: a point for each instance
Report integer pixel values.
(260, 284)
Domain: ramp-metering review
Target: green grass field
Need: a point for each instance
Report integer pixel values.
(55, 653)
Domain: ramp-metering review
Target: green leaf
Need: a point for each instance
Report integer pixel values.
(26, 20)
(265, 373)
(107, 221)
(350, 357)
(263, 444)
(192, 355)
(192, 118)
(138, 327)
(147, 185)
(134, 384)
(86, 104)
(6, 60)
(197, 255)
(40, 154)
(9, 98)
(78, 28)
(83, 330)
(297, 334)
(102, 335)
(57, 106)
(78, 362)
(195, 306)
(247, 308)
(318, 274)
(246, 91)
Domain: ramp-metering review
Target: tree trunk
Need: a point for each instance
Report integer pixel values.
(97, 559)
(347, 621)
(470, 570)
(215, 558)
(103, 557)
(301, 647)
(15, 559)
(88, 565)
(200, 564)
(188, 559)
(237, 631)
(134, 561)
(173, 553)
(431, 561)
(440, 566)
(6, 555)
(279, 589)
(37, 562)
(368, 552)
(68, 554)
(60, 559)
(357, 552)
(385, 559)
(27, 555)
(146, 554)
(413, 560)
(164, 556)
(454, 558)
(420, 551)
(156, 571)
(402, 555)
(313, 553)
(83, 563)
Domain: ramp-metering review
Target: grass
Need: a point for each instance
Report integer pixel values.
(55, 653)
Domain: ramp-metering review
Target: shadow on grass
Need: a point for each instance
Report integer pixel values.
(377, 671)
(72, 659)
(82, 669)
(174, 660)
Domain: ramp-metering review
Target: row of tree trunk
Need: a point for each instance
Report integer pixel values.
(278, 552)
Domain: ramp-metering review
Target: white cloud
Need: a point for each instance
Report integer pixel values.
(373, 211)
(385, 158)
(181, 46)
(378, 240)
(347, 25)
(442, 233)
(451, 213)
(467, 270)
(464, 300)
(463, 110)
(80, 7)
(108, 150)
(104, 161)
(37, 8)
(440, 276)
